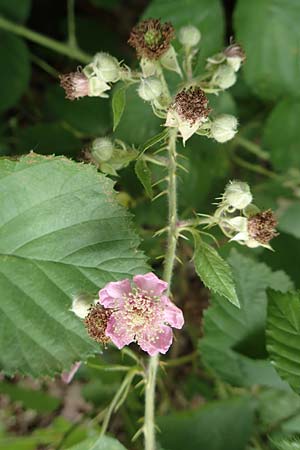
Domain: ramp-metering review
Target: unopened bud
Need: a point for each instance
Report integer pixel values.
(224, 77)
(149, 89)
(81, 305)
(102, 149)
(237, 195)
(189, 36)
(224, 127)
(105, 67)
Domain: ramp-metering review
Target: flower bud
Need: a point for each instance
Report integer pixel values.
(149, 89)
(189, 36)
(224, 127)
(102, 149)
(104, 66)
(224, 77)
(81, 305)
(237, 194)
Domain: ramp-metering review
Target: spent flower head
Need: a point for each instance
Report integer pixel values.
(96, 323)
(151, 38)
(188, 111)
(75, 84)
(235, 56)
(140, 313)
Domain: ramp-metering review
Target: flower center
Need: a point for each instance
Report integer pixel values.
(153, 37)
(141, 309)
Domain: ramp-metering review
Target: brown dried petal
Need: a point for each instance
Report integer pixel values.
(261, 227)
(191, 104)
(96, 323)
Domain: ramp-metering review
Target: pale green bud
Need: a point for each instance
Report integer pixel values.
(149, 89)
(224, 127)
(81, 305)
(237, 195)
(189, 36)
(106, 67)
(102, 149)
(224, 77)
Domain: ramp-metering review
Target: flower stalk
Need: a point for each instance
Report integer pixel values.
(149, 426)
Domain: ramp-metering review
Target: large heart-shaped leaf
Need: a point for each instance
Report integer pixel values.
(62, 232)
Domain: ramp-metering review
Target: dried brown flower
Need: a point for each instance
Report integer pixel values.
(75, 84)
(191, 104)
(261, 227)
(96, 323)
(151, 38)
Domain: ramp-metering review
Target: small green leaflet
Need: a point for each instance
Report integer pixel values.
(283, 335)
(144, 175)
(118, 104)
(214, 271)
(102, 443)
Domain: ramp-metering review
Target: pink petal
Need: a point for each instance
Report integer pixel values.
(150, 283)
(172, 314)
(68, 376)
(111, 296)
(159, 342)
(117, 330)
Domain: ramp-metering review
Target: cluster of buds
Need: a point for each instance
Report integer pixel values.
(241, 220)
(110, 156)
(152, 41)
(223, 66)
(94, 79)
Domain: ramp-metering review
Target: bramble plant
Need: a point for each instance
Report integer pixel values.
(78, 293)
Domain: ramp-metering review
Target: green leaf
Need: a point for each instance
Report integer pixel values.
(283, 335)
(89, 115)
(220, 425)
(62, 232)
(207, 15)
(144, 175)
(15, 10)
(30, 399)
(282, 135)
(232, 337)
(118, 104)
(47, 138)
(139, 123)
(102, 443)
(15, 69)
(286, 444)
(290, 220)
(214, 271)
(272, 68)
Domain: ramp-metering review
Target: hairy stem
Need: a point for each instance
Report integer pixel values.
(149, 426)
(59, 47)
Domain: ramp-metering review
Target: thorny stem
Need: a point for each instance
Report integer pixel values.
(59, 47)
(149, 426)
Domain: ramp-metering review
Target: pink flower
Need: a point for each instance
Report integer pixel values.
(75, 84)
(141, 313)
